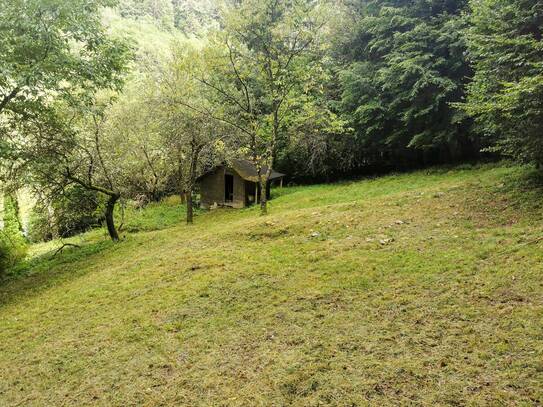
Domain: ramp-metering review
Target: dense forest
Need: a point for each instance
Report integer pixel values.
(104, 102)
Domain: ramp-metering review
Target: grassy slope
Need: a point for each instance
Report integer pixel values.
(244, 310)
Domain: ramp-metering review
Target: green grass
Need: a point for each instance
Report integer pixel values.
(155, 216)
(414, 289)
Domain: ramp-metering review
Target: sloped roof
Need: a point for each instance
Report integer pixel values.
(246, 170)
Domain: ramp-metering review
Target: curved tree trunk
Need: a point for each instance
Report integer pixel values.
(110, 223)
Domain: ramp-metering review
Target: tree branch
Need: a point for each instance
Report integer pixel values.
(8, 98)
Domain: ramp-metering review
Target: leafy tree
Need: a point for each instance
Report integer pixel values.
(195, 16)
(134, 130)
(52, 53)
(195, 138)
(160, 11)
(54, 48)
(268, 52)
(72, 211)
(404, 66)
(72, 147)
(506, 95)
(188, 16)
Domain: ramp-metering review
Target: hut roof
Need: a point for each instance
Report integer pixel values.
(247, 170)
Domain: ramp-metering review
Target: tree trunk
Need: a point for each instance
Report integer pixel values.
(109, 217)
(190, 210)
(263, 197)
(192, 181)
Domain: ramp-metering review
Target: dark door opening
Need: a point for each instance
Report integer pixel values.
(228, 188)
(250, 193)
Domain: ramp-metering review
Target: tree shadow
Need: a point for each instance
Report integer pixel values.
(524, 188)
(47, 269)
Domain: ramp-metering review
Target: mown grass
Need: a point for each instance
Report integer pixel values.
(414, 289)
(154, 216)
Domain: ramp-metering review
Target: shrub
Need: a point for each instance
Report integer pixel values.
(13, 245)
(75, 211)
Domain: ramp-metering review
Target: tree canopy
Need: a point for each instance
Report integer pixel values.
(506, 94)
(405, 65)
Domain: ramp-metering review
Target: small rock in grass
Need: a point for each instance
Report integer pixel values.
(315, 234)
(399, 222)
(384, 242)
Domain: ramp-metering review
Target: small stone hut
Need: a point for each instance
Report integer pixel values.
(234, 185)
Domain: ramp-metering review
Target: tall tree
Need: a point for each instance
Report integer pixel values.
(52, 53)
(404, 64)
(13, 244)
(188, 118)
(74, 147)
(506, 95)
(260, 75)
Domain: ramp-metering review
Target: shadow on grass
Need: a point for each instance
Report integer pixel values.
(524, 188)
(48, 269)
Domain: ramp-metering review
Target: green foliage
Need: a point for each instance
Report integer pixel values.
(405, 64)
(71, 212)
(269, 76)
(506, 95)
(52, 53)
(160, 11)
(55, 48)
(13, 245)
(40, 225)
(187, 16)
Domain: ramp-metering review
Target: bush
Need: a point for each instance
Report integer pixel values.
(13, 245)
(11, 251)
(75, 211)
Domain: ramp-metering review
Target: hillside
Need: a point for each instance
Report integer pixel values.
(421, 288)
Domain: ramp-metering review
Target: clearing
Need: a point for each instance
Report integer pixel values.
(422, 288)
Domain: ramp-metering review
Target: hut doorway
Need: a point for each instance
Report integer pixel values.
(228, 188)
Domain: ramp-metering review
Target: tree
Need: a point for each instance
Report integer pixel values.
(66, 213)
(135, 133)
(187, 116)
(52, 53)
(506, 94)
(93, 162)
(267, 49)
(160, 11)
(71, 147)
(55, 48)
(403, 65)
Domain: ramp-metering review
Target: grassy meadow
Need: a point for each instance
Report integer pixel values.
(412, 289)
